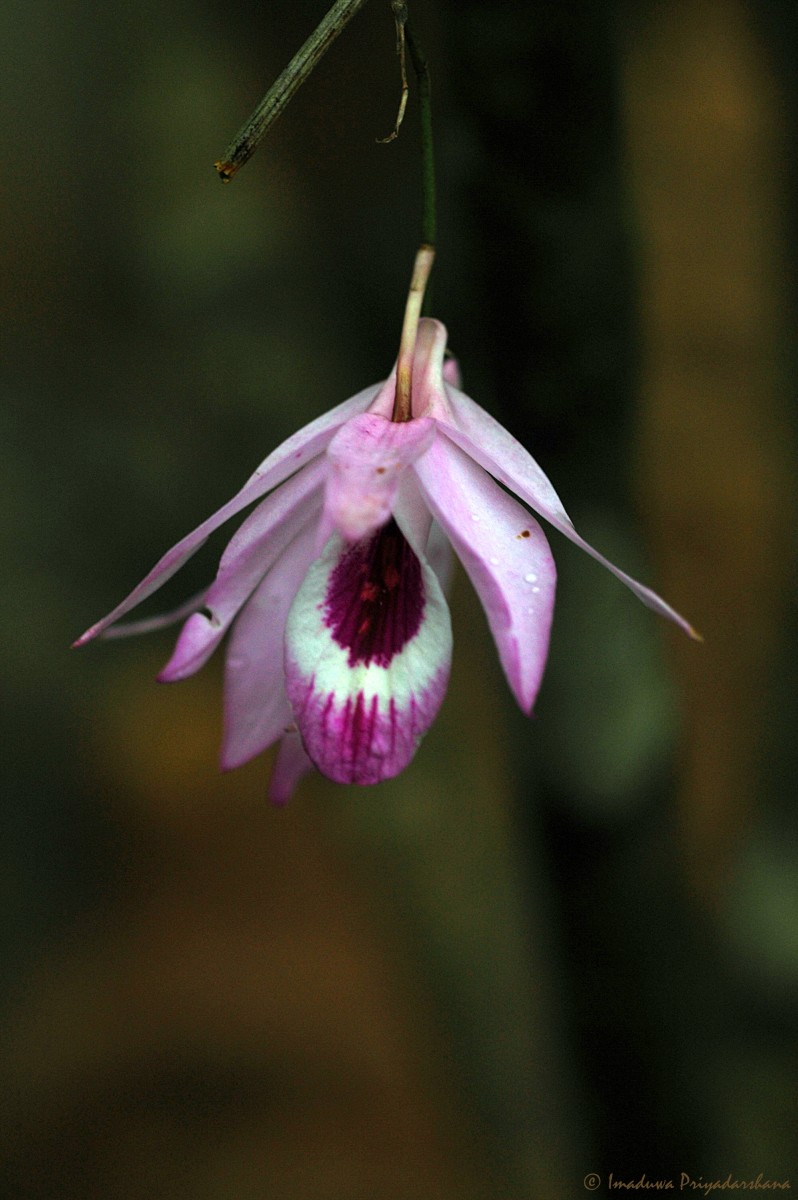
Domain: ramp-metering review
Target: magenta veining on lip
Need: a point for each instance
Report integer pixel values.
(375, 599)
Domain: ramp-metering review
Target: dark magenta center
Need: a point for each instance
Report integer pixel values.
(375, 597)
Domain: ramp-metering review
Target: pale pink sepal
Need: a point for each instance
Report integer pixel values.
(507, 558)
(440, 556)
(488, 443)
(249, 556)
(413, 516)
(366, 459)
(429, 395)
(256, 709)
(291, 764)
(294, 453)
(162, 621)
(198, 639)
(451, 372)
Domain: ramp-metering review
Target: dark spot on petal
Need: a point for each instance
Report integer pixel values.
(524, 533)
(381, 470)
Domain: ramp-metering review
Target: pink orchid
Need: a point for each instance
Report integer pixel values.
(332, 590)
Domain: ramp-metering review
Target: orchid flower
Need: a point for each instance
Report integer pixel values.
(332, 591)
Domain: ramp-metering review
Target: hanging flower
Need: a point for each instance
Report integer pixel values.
(332, 591)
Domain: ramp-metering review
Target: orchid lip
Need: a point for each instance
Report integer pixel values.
(368, 648)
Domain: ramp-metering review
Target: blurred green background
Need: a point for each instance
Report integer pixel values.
(553, 947)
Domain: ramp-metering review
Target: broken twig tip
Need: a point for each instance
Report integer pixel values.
(226, 170)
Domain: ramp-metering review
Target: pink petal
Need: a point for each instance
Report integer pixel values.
(489, 444)
(428, 392)
(292, 763)
(294, 453)
(506, 556)
(256, 709)
(368, 649)
(440, 556)
(367, 457)
(247, 558)
(426, 537)
(412, 515)
(451, 372)
(196, 643)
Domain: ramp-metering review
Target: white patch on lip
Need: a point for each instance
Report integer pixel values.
(400, 700)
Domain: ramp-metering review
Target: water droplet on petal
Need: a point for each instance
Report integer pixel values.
(530, 578)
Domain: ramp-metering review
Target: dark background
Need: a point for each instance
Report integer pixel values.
(552, 947)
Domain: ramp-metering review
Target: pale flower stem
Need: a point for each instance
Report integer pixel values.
(425, 256)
